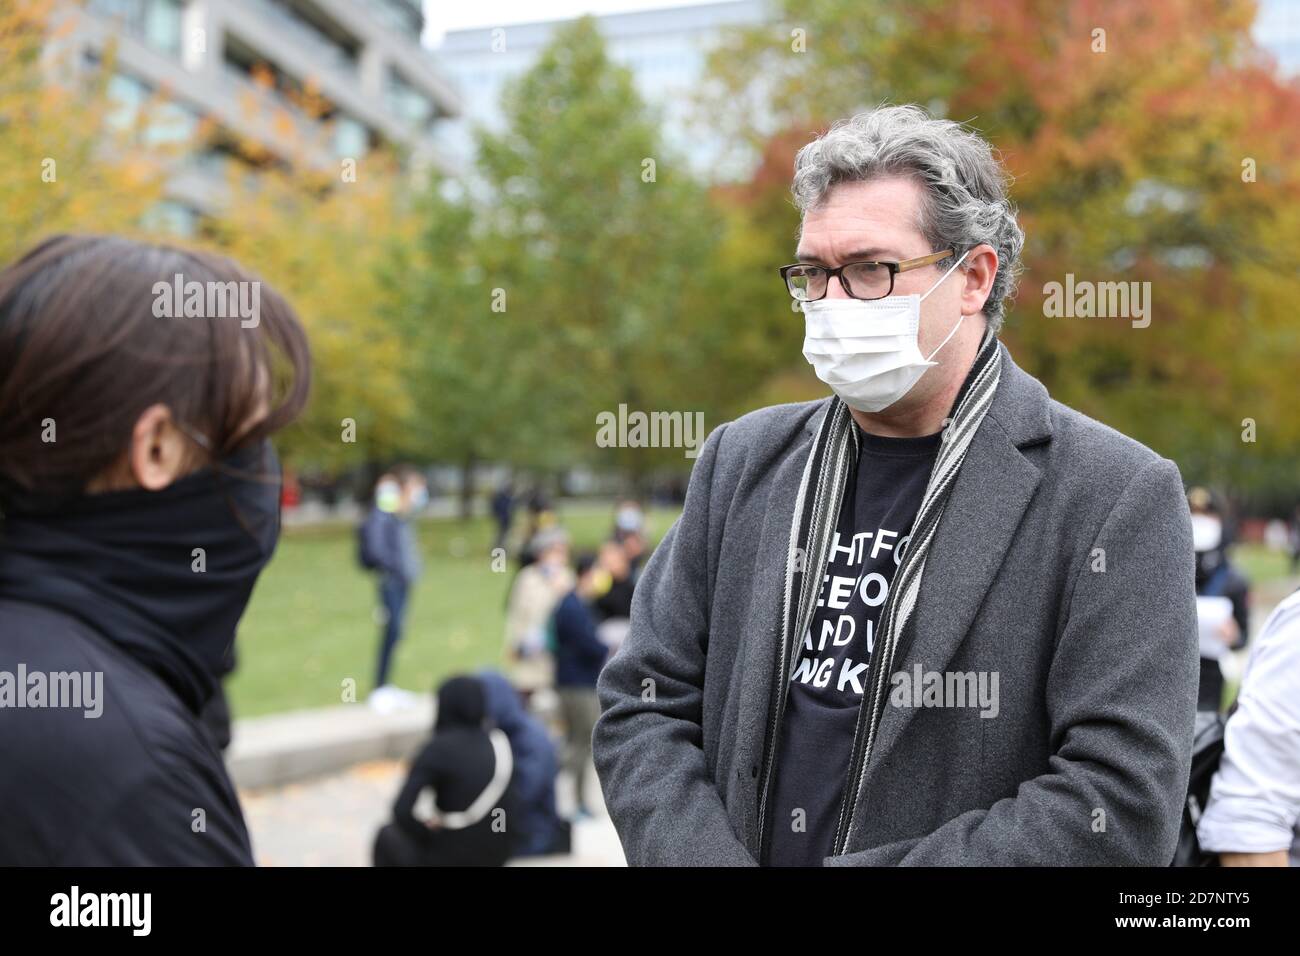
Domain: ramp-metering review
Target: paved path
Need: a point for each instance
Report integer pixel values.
(332, 820)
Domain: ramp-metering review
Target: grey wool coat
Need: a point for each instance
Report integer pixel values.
(1063, 564)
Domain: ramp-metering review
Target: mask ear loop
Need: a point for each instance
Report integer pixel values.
(960, 319)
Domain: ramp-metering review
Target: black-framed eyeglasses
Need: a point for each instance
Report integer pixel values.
(862, 279)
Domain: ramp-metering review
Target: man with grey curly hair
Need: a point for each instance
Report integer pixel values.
(936, 618)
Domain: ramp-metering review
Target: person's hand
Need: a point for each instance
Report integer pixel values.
(1229, 632)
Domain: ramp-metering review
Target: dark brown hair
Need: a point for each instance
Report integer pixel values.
(80, 345)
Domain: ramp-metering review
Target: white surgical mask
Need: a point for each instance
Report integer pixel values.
(867, 351)
(1207, 532)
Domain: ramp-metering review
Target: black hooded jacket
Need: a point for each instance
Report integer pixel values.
(141, 784)
(457, 763)
(128, 603)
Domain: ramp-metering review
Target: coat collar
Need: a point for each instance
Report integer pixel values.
(1021, 406)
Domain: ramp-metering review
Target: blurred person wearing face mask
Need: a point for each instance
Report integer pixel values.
(388, 546)
(628, 518)
(579, 656)
(1222, 596)
(622, 555)
(938, 513)
(129, 546)
(537, 588)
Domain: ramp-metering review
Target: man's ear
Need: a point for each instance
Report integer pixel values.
(981, 267)
(158, 454)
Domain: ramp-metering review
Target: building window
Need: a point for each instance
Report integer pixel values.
(156, 22)
(175, 218)
(168, 122)
(351, 138)
(400, 16)
(406, 102)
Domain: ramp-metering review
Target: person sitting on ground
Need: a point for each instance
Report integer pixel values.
(457, 802)
(542, 830)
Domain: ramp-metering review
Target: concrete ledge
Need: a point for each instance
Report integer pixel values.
(283, 748)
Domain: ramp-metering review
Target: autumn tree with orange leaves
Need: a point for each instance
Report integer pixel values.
(1148, 143)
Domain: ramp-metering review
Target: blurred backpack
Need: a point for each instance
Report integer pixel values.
(365, 541)
(1207, 752)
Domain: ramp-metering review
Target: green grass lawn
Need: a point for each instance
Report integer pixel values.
(311, 624)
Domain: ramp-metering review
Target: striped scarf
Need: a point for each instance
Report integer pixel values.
(817, 509)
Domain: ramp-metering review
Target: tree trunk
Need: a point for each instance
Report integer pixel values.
(467, 488)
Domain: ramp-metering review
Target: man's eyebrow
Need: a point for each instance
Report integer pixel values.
(872, 252)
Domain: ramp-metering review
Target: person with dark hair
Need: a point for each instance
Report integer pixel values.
(458, 804)
(140, 498)
(388, 546)
(541, 828)
(579, 656)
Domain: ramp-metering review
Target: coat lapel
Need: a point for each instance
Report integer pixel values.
(987, 502)
(763, 621)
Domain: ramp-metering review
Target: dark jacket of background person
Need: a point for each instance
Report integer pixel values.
(1097, 669)
(389, 541)
(1217, 577)
(458, 763)
(536, 765)
(579, 652)
(617, 601)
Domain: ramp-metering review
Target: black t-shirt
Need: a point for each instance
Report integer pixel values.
(825, 692)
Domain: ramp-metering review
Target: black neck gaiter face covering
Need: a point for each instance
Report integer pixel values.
(163, 575)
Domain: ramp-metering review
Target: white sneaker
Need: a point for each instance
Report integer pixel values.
(385, 699)
(389, 699)
(408, 699)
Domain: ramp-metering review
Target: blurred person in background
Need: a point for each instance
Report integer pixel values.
(1253, 814)
(458, 801)
(537, 588)
(612, 608)
(621, 556)
(1222, 596)
(131, 541)
(541, 517)
(629, 531)
(579, 656)
(1293, 533)
(503, 513)
(629, 517)
(541, 829)
(615, 602)
(388, 546)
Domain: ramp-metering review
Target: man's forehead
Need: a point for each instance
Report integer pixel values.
(877, 218)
